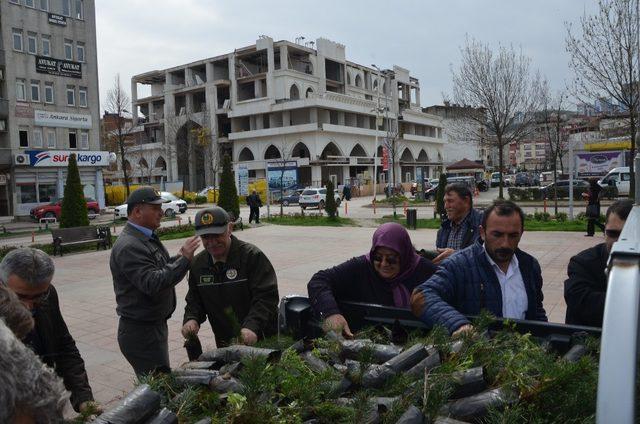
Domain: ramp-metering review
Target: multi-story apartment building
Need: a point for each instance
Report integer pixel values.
(276, 102)
(49, 105)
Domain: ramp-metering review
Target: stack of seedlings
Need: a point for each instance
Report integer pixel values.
(379, 377)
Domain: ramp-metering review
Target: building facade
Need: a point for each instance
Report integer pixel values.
(49, 106)
(277, 102)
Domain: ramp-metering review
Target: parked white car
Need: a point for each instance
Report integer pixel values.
(619, 177)
(314, 197)
(173, 206)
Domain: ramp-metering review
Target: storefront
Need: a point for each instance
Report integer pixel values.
(39, 177)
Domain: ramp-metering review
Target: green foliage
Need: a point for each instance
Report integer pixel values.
(542, 216)
(330, 203)
(562, 217)
(199, 200)
(517, 194)
(310, 220)
(228, 193)
(442, 183)
(74, 208)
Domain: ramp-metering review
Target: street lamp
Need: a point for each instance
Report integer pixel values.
(375, 146)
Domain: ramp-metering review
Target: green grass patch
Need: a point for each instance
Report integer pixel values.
(577, 225)
(311, 221)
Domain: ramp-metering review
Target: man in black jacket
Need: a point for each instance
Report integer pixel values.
(586, 288)
(255, 203)
(232, 283)
(28, 273)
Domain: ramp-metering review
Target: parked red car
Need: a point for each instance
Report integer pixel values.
(53, 209)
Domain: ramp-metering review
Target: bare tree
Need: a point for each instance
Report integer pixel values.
(555, 136)
(116, 104)
(286, 151)
(605, 60)
(499, 82)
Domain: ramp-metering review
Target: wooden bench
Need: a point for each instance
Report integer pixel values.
(79, 235)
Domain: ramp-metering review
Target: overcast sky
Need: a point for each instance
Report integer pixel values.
(136, 36)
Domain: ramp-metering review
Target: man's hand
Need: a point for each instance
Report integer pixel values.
(189, 247)
(467, 328)
(248, 337)
(337, 323)
(443, 254)
(91, 406)
(417, 302)
(190, 327)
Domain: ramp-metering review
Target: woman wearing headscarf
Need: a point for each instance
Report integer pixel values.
(386, 275)
(592, 196)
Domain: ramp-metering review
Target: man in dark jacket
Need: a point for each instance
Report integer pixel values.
(232, 283)
(255, 203)
(144, 277)
(496, 276)
(28, 273)
(460, 228)
(586, 288)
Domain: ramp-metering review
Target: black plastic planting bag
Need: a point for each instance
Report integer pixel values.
(431, 361)
(575, 353)
(468, 382)
(164, 417)
(134, 408)
(315, 364)
(412, 416)
(381, 353)
(476, 406)
(408, 358)
(193, 346)
(237, 353)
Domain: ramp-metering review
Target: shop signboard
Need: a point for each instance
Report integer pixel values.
(58, 67)
(60, 158)
(283, 173)
(55, 19)
(243, 180)
(595, 164)
(47, 118)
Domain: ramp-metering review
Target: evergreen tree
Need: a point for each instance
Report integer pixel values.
(228, 199)
(74, 207)
(439, 209)
(330, 203)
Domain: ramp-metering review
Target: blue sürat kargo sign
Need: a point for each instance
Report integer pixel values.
(59, 158)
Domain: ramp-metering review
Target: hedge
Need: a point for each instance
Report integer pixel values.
(517, 194)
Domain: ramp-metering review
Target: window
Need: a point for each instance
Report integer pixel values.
(80, 52)
(68, 49)
(17, 40)
(29, 3)
(51, 139)
(46, 46)
(66, 7)
(48, 92)
(37, 137)
(21, 90)
(24, 137)
(44, 5)
(15, 1)
(47, 192)
(35, 91)
(32, 43)
(79, 9)
(71, 95)
(26, 193)
(84, 140)
(73, 142)
(82, 97)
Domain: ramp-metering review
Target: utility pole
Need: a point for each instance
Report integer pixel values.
(375, 145)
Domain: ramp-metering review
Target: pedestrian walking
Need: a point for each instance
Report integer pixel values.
(255, 203)
(592, 196)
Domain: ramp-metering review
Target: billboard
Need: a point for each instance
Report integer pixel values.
(285, 172)
(595, 164)
(42, 158)
(48, 118)
(243, 180)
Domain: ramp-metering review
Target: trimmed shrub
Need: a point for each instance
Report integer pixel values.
(74, 207)
(228, 193)
(562, 217)
(442, 183)
(200, 200)
(542, 216)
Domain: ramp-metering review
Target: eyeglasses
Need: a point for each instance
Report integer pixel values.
(614, 234)
(36, 298)
(391, 259)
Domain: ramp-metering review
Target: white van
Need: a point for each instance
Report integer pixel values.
(620, 177)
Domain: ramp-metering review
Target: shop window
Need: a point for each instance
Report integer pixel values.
(47, 193)
(26, 193)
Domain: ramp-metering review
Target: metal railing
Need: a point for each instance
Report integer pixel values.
(620, 335)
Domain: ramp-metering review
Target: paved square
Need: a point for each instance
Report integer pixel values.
(88, 303)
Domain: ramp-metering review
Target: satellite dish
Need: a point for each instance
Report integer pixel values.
(112, 157)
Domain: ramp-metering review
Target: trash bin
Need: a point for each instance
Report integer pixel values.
(412, 218)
